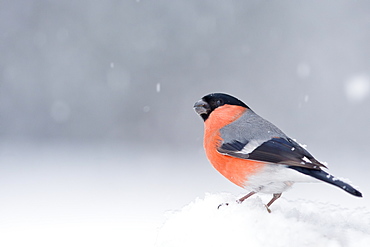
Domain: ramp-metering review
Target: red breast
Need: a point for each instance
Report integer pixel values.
(235, 169)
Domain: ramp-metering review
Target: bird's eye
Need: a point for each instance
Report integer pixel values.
(219, 102)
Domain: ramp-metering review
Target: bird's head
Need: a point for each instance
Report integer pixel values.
(210, 102)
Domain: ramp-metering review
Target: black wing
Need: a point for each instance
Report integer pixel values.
(277, 150)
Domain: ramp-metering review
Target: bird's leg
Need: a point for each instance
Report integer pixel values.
(274, 198)
(246, 196)
(239, 200)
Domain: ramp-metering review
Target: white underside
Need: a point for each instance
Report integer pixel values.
(275, 179)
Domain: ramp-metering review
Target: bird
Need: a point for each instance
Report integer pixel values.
(253, 153)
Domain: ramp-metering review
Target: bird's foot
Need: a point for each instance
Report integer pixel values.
(223, 204)
(268, 209)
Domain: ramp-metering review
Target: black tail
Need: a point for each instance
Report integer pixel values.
(326, 177)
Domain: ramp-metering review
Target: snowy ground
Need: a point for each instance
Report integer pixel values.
(67, 194)
(292, 223)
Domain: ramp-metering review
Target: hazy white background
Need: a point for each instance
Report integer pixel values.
(98, 138)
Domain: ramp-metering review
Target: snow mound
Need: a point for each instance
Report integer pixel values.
(291, 223)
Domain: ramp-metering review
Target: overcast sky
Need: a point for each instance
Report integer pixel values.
(132, 70)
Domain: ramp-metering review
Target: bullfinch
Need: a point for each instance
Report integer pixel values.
(253, 153)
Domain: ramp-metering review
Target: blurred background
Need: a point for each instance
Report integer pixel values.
(98, 137)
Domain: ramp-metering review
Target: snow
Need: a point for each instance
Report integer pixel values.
(300, 144)
(109, 194)
(291, 223)
(146, 108)
(357, 88)
(306, 97)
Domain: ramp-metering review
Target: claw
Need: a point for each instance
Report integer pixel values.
(268, 209)
(223, 204)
